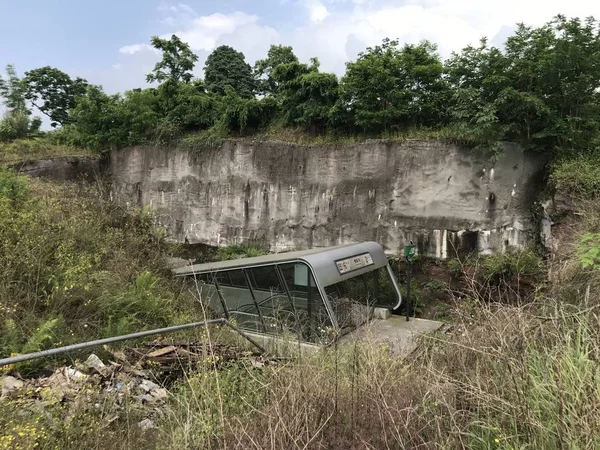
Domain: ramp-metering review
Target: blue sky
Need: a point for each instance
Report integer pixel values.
(106, 41)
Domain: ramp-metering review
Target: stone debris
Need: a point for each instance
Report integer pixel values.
(93, 362)
(146, 424)
(142, 374)
(159, 394)
(148, 386)
(11, 386)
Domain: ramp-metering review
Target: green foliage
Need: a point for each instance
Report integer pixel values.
(236, 251)
(18, 125)
(188, 105)
(541, 89)
(104, 121)
(306, 95)
(227, 67)
(416, 298)
(36, 148)
(238, 113)
(211, 138)
(389, 87)
(53, 92)
(455, 267)
(578, 176)
(13, 188)
(512, 264)
(589, 251)
(12, 90)
(263, 69)
(43, 336)
(16, 122)
(67, 252)
(177, 61)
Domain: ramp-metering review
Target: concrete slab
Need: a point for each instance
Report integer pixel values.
(401, 336)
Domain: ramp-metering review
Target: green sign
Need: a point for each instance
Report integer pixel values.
(410, 250)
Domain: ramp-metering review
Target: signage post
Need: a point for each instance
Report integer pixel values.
(409, 252)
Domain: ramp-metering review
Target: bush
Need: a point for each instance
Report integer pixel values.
(18, 124)
(589, 251)
(578, 176)
(236, 251)
(512, 265)
(76, 267)
(13, 188)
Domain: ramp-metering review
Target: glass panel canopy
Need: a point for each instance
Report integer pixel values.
(310, 296)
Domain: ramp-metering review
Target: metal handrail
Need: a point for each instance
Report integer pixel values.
(125, 337)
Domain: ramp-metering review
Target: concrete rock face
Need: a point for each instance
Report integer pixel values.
(445, 198)
(63, 168)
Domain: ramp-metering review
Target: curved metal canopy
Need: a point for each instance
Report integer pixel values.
(323, 261)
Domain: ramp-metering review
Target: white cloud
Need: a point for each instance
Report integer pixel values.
(205, 31)
(317, 10)
(335, 31)
(186, 9)
(135, 48)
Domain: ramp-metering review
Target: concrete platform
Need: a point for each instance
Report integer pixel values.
(401, 336)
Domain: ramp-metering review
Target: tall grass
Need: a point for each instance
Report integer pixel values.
(74, 266)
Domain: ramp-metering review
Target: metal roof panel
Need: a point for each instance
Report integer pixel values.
(322, 261)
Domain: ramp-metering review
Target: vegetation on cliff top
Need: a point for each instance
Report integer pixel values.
(540, 89)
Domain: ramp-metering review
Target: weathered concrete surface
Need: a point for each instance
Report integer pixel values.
(442, 196)
(401, 337)
(63, 168)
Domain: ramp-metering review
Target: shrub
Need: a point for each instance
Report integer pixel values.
(236, 251)
(13, 187)
(512, 264)
(578, 176)
(589, 251)
(75, 266)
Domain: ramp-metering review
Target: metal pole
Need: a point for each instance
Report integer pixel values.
(97, 343)
(408, 301)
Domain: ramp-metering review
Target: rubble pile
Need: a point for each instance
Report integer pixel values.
(142, 374)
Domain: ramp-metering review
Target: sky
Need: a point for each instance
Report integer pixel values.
(106, 41)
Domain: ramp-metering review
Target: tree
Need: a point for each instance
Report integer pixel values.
(389, 87)
(477, 75)
(542, 91)
(16, 122)
(307, 95)
(12, 90)
(555, 71)
(104, 121)
(227, 67)
(177, 61)
(263, 69)
(53, 92)
(190, 107)
(240, 114)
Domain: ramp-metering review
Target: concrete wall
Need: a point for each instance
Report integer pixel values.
(64, 168)
(287, 196)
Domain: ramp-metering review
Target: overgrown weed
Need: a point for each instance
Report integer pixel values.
(75, 266)
(36, 148)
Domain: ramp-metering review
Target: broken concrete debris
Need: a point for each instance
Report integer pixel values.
(138, 372)
(146, 424)
(11, 386)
